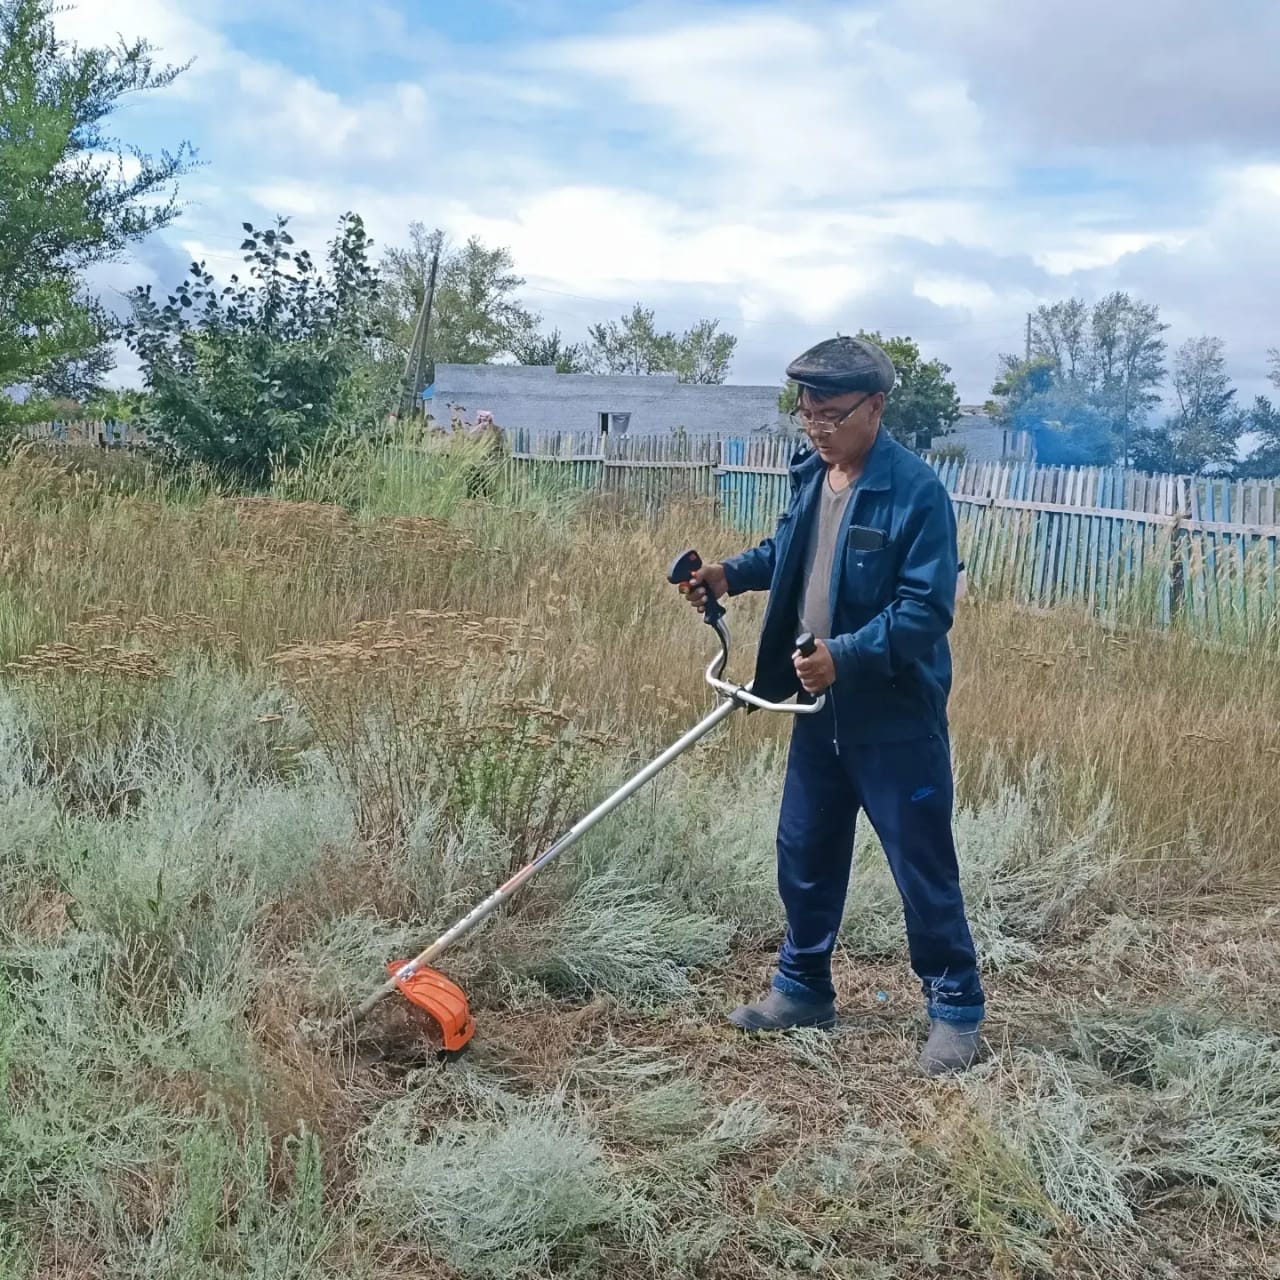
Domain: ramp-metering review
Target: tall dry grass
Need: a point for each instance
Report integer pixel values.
(1184, 736)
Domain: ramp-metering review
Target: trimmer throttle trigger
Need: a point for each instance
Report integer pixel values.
(685, 566)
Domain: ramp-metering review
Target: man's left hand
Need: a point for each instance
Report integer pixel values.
(816, 672)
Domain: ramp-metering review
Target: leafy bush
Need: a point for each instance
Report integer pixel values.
(253, 376)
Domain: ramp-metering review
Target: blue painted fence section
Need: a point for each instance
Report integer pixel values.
(104, 434)
(1204, 551)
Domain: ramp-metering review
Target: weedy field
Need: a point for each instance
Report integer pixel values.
(253, 747)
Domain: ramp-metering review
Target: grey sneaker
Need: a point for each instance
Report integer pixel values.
(952, 1046)
(779, 1012)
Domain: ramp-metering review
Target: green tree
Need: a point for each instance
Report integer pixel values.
(476, 316)
(1017, 387)
(118, 405)
(634, 345)
(249, 376)
(631, 345)
(1109, 357)
(1127, 363)
(1060, 333)
(1263, 420)
(924, 402)
(703, 355)
(1093, 370)
(1060, 413)
(551, 349)
(1205, 430)
(68, 199)
(405, 271)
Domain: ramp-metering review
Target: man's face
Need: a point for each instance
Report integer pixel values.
(843, 428)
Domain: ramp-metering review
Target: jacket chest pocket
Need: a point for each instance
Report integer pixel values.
(868, 577)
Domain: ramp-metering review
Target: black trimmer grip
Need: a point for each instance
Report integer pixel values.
(682, 570)
(806, 644)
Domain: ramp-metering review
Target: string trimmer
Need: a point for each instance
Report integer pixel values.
(442, 998)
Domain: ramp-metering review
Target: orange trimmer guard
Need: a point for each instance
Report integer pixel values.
(444, 1000)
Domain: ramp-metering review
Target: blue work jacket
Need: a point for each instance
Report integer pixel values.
(891, 607)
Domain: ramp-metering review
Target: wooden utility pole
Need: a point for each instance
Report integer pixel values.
(412, 385)
(1028, 355)
(406, 379)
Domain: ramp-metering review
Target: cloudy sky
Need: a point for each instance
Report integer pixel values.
(914, 166)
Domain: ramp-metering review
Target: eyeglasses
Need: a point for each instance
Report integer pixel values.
(813, 425)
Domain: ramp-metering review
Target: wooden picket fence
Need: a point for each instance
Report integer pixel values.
(745, 478)
(1203, 551)
(1199, 549)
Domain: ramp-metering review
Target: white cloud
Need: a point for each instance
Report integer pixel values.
(807, 107)
(1168, 74)
(292, 199)
(257, 107)
(908, 165)
(1222, 277)
(956, 291)
(1251, 188)
(1085, 251)
(279, 112)
(625, 244)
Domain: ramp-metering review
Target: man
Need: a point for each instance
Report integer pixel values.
(865, 558)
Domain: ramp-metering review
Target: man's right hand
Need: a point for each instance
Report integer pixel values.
(711, 577)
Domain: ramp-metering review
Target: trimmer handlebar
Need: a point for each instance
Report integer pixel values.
(713, 613)
(743, 694)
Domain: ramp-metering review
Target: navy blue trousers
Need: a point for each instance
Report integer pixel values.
(906, 791)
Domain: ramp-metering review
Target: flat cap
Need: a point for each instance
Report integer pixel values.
(843, 364)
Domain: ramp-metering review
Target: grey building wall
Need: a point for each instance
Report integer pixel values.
(984, 440)
(537, 398)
